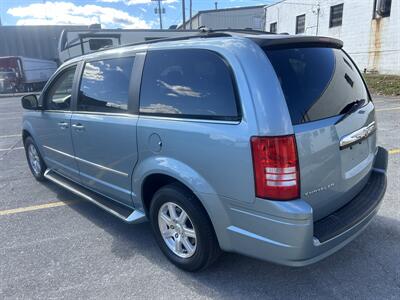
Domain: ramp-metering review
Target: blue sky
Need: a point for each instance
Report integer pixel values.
(111, 13)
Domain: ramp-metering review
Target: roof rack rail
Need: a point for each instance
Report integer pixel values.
(200, 34)
(203, 32)
(237, 30)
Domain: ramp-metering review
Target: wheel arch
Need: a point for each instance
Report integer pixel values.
(152, 183)
(28, 131)
(25, 134)
(167, 170)
(155, 172)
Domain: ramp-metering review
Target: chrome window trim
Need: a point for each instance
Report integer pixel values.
(129, 115)
(104, 113)
(357, 136)
(57, 111)
(190, 120)
(87, 162)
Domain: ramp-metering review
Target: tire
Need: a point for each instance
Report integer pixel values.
(35, 161)
(204, 248)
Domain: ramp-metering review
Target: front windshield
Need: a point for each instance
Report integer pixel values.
(7, 73)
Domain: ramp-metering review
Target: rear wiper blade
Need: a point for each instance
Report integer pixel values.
(351, 108)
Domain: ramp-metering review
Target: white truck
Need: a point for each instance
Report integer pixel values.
(23, 74)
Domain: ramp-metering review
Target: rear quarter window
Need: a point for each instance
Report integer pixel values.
(188, 83)
(317, 83)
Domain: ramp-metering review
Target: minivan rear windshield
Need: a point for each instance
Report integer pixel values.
(317, 83)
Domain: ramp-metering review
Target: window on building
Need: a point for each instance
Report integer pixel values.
(382, 8)
(105, 85)
(300, 24)
(188, 83)
(273, 27)
(336, 15)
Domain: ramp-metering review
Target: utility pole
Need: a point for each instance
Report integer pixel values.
(216, 5)
(45, 10)
(159, 11)
(318, 13)
(190, 12)
(183, 15)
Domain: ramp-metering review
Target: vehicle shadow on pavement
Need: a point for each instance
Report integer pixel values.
(368, 267)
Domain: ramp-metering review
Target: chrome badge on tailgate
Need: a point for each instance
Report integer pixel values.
(357, 136)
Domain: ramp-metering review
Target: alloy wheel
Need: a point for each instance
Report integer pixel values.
(34, 159)
(177, 230)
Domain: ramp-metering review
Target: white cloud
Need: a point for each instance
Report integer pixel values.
(180, 90)
(136, 2)
(109, 1)
(65, 13)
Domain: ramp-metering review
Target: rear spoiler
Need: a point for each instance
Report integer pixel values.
(281, 42)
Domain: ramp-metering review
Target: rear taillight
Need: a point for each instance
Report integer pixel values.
(276, 167)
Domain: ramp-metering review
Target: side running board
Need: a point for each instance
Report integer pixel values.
(122, 212)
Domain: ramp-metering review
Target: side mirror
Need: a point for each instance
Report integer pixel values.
(30, 102)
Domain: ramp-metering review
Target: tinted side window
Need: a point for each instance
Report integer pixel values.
(188, 83)
(105, 85)
(58, 96)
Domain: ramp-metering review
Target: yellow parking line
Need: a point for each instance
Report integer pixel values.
(35, 207)
(387, 109)
(394, 151)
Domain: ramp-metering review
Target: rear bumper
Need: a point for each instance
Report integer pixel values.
(295, 240)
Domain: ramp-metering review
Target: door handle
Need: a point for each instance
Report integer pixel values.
(63, 125)
(78, 126)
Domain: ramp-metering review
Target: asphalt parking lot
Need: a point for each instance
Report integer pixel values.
(54, 245)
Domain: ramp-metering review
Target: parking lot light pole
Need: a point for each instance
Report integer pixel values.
(190, 13)
(160, 12)
(183, 15)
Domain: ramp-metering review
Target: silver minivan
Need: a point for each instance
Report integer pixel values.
(240, 141)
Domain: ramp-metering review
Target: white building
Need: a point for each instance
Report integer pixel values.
(236, 18)
(370, 29)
